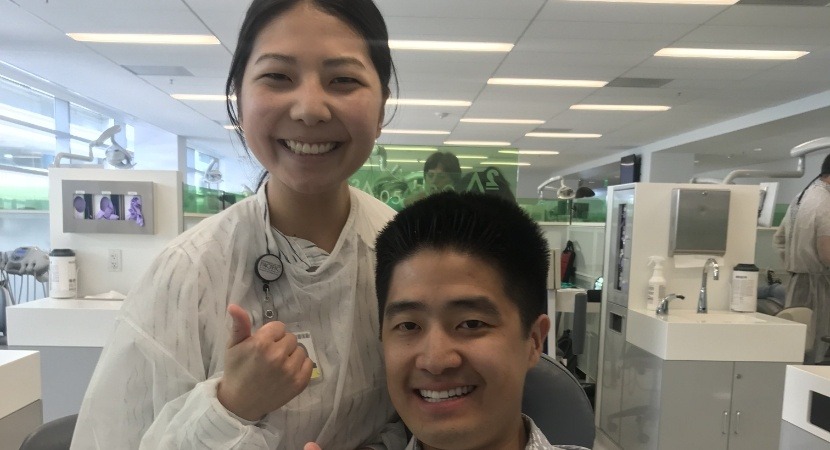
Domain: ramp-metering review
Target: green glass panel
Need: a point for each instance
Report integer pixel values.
(589, 210)
(24, 198)
(201, 200)
(778, 213)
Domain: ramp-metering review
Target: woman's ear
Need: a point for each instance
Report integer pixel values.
(538, 333)
(382, 115)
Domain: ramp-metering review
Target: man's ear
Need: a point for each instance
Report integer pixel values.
(538, 333)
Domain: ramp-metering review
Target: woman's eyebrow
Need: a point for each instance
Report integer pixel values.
(343, 61)
(329, 63)
(276, 56)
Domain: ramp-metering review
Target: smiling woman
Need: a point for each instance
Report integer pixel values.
(290, 269)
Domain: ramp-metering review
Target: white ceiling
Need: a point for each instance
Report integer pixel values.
(743, 104)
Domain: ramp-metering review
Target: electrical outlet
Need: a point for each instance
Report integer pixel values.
(114, 261)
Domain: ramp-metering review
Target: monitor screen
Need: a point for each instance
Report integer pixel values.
(766, 204)
(629, 169)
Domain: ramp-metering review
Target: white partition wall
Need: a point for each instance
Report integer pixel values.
(137, 251)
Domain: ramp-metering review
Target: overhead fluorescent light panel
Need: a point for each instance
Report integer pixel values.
(722, 53)
(546, 82)
(161, 39)
(450, 46)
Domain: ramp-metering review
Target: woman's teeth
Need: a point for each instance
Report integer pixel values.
(440, 396)
(303, 148)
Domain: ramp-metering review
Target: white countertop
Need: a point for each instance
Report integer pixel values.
(62, 322)
(800, 381)
(716, 336)
(19, 380)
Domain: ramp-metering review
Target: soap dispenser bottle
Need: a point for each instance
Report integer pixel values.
(656, 284)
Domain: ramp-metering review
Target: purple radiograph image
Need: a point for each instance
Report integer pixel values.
(107, 209)
(79, 205)
(134, 212)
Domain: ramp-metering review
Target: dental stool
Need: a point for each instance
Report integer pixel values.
(557, 403)
(54, 435)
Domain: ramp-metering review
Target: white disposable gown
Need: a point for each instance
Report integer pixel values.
(810, 282)
(155, 384)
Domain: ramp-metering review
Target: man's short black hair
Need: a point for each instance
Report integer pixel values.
(487, 227)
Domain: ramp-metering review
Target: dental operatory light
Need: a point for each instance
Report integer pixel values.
(119, 157)
(565, 192)
(213, 174)
(116, 155)
(721, 53)
(562, 193)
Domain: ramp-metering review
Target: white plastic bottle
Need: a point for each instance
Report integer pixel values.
(656, 284)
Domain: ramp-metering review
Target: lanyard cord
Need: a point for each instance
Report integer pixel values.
(269, 310)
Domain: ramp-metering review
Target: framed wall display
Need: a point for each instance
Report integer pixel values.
(107, 206)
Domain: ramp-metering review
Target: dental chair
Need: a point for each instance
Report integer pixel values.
(552, 397)
(54, 435)
(557, 403)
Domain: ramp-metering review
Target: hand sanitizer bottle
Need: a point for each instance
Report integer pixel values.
(656, 284)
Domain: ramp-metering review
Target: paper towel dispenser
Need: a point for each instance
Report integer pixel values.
(699, 221)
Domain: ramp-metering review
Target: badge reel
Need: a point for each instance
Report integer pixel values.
(268, 269)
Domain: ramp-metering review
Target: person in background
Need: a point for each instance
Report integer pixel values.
(803, 241)
(205, 353)
(462, 295)
(442, 172)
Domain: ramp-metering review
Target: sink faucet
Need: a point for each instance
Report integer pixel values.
(702, 305)
(663, 306)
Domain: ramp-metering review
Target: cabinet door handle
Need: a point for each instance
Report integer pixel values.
(724, 427)
(737, 421)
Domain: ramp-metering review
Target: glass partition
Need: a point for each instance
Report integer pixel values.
(202, 200)
(398, 175)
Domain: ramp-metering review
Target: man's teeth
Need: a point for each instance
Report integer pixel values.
(309, 149)
(440, 396)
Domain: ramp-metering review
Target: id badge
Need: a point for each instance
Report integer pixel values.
(306, 341)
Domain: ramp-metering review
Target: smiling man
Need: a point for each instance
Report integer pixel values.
(461, 288)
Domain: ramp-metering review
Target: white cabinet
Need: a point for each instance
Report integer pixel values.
(757, 398)
(721, 405)
(679, 405)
